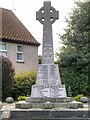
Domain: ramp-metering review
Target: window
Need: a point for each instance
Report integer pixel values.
(20, 56)
(3, 49)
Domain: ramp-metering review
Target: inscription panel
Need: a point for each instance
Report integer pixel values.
(48, 91)
(54, 75)
(48, 74)
(42, 75)
(34, 92)
(62, 92)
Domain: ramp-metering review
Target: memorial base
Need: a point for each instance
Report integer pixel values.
(48, 83)
(56, 102)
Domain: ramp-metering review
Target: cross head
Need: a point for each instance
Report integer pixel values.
(47, 14)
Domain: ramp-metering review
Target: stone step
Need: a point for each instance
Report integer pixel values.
(25, 114)
(48, 119)
(5, 115)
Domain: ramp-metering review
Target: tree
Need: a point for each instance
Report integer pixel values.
(73, 56)
(39, 59)
(7, 77)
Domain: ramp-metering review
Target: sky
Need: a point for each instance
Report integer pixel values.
(25, 10)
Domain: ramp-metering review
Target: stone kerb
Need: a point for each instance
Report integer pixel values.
(75, 105)
(48, 105)
(9, 100)
(84, 99)
(23, 105)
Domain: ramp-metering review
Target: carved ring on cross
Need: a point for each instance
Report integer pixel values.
(40, 15)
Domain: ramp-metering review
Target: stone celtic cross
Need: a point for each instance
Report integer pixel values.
(48, 82)
(47, 16)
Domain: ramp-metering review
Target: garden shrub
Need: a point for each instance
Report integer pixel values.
(22, 83)
(21, 98)
(77, 98)
(7, 77)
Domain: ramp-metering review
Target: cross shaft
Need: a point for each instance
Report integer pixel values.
(47, 15)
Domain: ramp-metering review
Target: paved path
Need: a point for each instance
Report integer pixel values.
(6, 110)
(8, 106)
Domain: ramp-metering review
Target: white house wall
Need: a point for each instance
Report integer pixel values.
(30, 57)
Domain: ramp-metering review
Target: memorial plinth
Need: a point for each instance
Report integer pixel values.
(48, 83)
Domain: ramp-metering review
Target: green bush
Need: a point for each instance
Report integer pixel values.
(7, 77)
(21, 98)
(77, 98)
(22, 83)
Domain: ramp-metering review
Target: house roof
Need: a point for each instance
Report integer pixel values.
(13, 30)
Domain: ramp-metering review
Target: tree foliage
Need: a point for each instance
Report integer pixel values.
(73, 56)
(39, 59)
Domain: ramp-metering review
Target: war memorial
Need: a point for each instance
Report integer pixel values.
(48, 100)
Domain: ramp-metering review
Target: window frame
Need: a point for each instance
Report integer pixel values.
(19, 52)
(5, 50)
